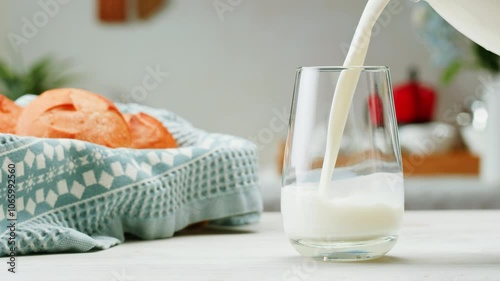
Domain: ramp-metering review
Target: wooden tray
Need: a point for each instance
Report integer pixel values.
(459, 162)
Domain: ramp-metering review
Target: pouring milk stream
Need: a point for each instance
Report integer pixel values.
(346, 87)
(478, 20)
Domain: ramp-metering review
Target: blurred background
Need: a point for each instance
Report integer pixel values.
(229, 65)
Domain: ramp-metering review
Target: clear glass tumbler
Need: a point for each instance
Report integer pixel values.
(360, 215)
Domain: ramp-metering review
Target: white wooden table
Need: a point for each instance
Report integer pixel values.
(445, 246)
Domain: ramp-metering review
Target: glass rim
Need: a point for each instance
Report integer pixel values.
(342, 68)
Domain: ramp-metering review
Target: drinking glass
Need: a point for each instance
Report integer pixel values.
(359, 216)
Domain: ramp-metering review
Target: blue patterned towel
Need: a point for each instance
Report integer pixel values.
(77, 196)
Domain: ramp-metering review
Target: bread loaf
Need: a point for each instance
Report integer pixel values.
(9, 114)
(74, 114)
(148, 132)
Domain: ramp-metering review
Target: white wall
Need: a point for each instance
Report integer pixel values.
(228, 75)
(4, 26)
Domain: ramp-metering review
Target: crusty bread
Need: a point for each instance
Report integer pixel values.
(148, 132)
(75, 114)
(9, 114)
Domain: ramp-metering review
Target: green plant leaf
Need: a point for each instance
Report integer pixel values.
(44, 74)
(451, 72)
(11, 84)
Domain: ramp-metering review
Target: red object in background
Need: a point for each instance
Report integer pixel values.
(414, 102)
(376, 110)
(112, 10)
(426, 104)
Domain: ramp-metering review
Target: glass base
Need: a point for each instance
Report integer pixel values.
(345, 250)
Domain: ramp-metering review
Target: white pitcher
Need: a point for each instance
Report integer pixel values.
(477, 19)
